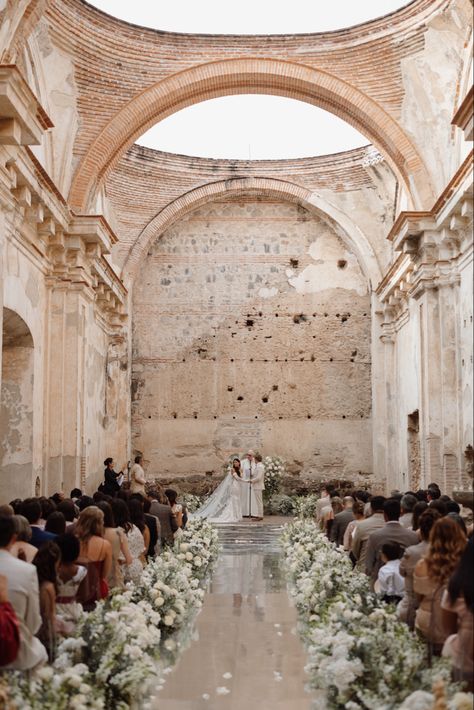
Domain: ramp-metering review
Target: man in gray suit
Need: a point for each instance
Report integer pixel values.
(392, 531)
(364, 529)
(161, 509)
(341, 521)
(22, 580)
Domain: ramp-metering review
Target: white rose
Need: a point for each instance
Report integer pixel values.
(168, 620)
(197, 561)
(184, 546)
(189, 556)
(170, 645)
(159, 601)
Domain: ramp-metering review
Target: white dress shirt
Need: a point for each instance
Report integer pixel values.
(390, 580)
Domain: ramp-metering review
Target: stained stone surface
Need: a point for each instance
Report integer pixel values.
(247, 629)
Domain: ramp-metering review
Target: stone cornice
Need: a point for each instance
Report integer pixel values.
(463, 118)
(22, 118)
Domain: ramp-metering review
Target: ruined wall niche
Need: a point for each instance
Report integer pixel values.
(16, 408)
(216, 371)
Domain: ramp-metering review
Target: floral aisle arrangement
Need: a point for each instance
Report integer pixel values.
(114, 655)
(274, 472)
(305, 506)
(360, 655)
(191, 501)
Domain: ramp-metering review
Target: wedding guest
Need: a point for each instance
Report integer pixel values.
(446, 545)
(391, 584)
(364, 529)
(9, 627)
(135, 540)
(68, 509)
(433, 492)
(418, 510)
(161, 509)
(457, 518)
(407, 505)
(112, 479)
(84, 502)
(22, 547)
(422, 496)
(176, 508)
(440, 506)
(75, 494)
(153, 525)
(69, 577)
(56, 523)
(137, 476)
(457, 606)
(47, 562)
(31, 510)
(138, 544)
(7, 510)
(342, 520)
(391, 532)
(47, 507)
(16, 504)
(329, 514)
(118, 542)
(358, 512)
(413, 554)
(95, 555)
(324, 501)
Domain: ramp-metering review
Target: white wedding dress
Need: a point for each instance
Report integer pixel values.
(225, 504)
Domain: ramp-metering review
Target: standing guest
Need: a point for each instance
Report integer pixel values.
(48, 506)
(95, 555)
(118, 542)
(153, 525)
(161, 509)
(364, 529)
(258, 485)
(31, 510)
(135, 540)
(358, 512)
(406, 610)
(418, 510)
(137, 517)
(176, 508)
(23, 590)
(457, 606)
(112, 479)
(407, 505)
(9, 627)
(392, 531)
(22, 547)
(432, 573)
(56, 523)
(328, 517)
(433, 492)
(342, 520)
(137, 476)
(69, 578)
(422, 495)
(47, 562)
(390, 584)
(323, 502)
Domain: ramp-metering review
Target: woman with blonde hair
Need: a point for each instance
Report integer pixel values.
(446, 544)
(95, 555)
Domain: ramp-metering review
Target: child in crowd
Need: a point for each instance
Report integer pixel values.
(70, 575)
(47, 562)
(390, 583)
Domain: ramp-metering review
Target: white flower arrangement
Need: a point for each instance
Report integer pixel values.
(191, 501)
(360, 655)
(274, 472)
(198, 547)
(305, 506)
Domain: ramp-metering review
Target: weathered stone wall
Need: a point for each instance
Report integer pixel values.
(252, 328)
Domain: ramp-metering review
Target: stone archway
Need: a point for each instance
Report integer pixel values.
(262, 76)
(16, 407)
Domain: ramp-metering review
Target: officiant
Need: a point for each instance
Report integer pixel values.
(249, 501)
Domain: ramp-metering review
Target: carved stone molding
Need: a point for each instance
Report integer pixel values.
(22, 118)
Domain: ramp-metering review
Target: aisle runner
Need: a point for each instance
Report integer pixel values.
(247, 654)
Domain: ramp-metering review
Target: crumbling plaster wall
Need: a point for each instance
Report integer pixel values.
(252, 328)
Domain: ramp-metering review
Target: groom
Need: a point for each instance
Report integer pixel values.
(248, 469)
(258, 485)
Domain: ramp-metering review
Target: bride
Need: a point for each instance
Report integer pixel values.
(225, 504)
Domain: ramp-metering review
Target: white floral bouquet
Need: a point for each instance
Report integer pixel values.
(198, 547)
(360, 654)
(49, 688)
(191, 501)
(305, 506)
(274, 472)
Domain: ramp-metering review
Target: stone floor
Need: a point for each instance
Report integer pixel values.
(246, 653)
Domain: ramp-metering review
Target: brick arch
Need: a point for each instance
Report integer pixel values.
(262, 76)
(269, 187)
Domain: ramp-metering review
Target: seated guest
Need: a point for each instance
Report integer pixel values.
(160, 507)
(7, 510)
(358, 513)
(153, 525)
(457, 606)
(9, 627)
(69, 578)
(407, 505)
(47, 562)
(23, 591)
(119, 544)
(418, 511)
(56, 523)
(95, 555)
(432, 573)
(342, 520)
(407, 608)
(137, 477)
(68, 509)
(22, 547)
(31, 509)
(364, 529)
(391, 532)
(390, 584)
(84, 502)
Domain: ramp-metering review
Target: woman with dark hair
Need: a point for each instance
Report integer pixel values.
(457, 607)
(47, 562)
(135, 540)
(418, 511)
(432, 573)
(70, 576)
(68, 509)
(118, 541)
(112, 479)
(177, 508)
(56, 523)
(47, 507)
(138, 541)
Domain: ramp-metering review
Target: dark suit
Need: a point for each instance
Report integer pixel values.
(391, 532)
(167, 520)
(39, 537)
(340, 523)
(153, 525)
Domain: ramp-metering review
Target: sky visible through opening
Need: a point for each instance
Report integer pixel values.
(250, 126)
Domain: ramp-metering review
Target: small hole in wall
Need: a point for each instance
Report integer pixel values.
(343, 416)
(309, 416)
(240, 398)
(313, 358)
(344, 319)
(325, 315)
(256, 417)
(354, 353)
(174, 415)
(341, 264)
(251, 359)
(249, 322)
(149, 416)
(264, 400)
(195, 416)
(275, 388)
(294, 263)
(232, 359)
(331, 359)
(260, 313)
(233, 417)
(352, 359)
(280, 417)
(215, 416)
(276, 315)
(230, 389)
(184, 359)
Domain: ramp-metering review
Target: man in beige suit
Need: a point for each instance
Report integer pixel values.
(23, 592)
(364, 529)
(258, 485)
